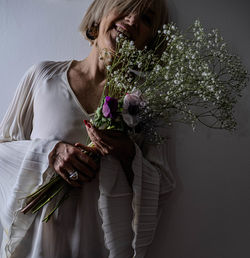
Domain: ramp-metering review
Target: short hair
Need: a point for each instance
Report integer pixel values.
(101, 8)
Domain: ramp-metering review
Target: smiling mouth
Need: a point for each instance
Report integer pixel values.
(123, 31)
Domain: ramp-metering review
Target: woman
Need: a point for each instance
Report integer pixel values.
(114, 206)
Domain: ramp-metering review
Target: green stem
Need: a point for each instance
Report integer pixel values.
(65, 196)
(35, 209)
(44, 187)
(39, 195)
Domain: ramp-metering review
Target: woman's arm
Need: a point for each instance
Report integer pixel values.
(123, 148)
(151, 182)
(66, 158)
(116, 144)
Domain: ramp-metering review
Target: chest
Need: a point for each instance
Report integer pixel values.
(56, 115)
(88, 93)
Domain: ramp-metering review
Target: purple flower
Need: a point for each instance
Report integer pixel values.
(110, 106)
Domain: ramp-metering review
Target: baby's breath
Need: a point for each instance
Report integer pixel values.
(185, 77)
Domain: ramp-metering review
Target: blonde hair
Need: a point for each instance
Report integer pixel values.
(100, 8)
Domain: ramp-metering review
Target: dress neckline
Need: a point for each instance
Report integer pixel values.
(72, 92)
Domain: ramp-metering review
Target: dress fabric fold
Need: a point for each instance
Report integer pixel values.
(106, 217)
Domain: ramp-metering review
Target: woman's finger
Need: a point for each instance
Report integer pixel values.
(69, 158)
(97, 135)
(64, 161)
(85, 159)
(81, 178)
(101, 147)
(84, 169)
(91, 149)
(105, 146)
(64, 173)
(84, 148)
(102, 150)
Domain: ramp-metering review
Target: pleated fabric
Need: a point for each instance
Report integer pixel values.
(106, 218)
(30, 160)
(135, 213)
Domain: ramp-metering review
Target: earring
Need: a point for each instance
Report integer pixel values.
(92, 33)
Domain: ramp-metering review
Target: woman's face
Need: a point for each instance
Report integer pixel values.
(138, 28)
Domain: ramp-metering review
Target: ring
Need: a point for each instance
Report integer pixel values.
(74, 175)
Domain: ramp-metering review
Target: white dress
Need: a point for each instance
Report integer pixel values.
(106, 218)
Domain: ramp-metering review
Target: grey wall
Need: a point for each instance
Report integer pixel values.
(208, 214)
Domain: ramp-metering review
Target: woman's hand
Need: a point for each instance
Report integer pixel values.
(65, 159)
(112, 142)
(115, 143)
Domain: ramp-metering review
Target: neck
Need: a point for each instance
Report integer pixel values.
(93, 67)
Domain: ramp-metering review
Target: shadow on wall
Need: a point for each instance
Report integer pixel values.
(173, 17)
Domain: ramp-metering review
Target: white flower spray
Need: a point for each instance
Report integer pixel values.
(188, 77)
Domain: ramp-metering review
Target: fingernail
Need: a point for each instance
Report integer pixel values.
(86, 123)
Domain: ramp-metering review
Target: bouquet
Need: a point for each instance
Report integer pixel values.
(189, 77)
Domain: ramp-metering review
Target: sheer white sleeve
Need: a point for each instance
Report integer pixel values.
(17, 122)
(23, 162)
(131, 215)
